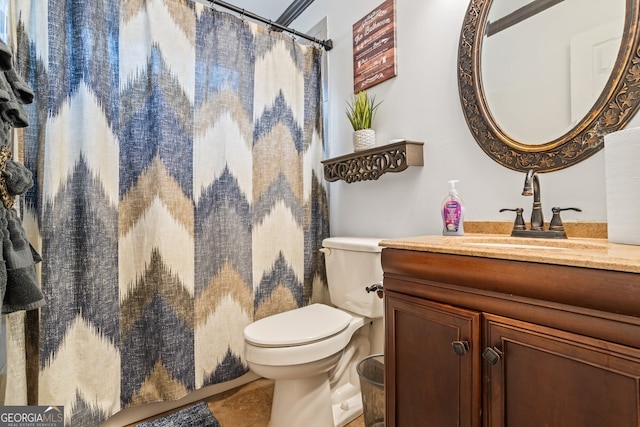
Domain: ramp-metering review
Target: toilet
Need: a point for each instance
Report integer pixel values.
(311, 352)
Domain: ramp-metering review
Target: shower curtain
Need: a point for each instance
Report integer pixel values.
(179, 195)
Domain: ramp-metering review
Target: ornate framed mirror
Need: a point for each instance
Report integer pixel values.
(549, 112)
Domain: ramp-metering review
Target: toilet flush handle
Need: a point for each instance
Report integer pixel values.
(377, 288)
(325, 251)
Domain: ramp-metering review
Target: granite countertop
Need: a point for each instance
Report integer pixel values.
(579, 252)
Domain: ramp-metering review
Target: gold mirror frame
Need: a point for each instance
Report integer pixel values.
(618, 103)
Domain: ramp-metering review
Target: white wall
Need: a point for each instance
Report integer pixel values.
(422, 104)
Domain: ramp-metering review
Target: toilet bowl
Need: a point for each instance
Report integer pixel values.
(311, 352)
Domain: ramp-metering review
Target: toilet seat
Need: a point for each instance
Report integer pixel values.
(313, 349)
(301, 326)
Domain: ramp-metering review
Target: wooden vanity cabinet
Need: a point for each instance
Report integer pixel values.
(552, 363)
(549, 377)
(426, 379)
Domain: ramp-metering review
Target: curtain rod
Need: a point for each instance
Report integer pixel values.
(326, 44)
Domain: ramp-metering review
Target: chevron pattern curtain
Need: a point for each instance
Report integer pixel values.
(179, 193)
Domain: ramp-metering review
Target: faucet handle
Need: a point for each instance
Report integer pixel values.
(556, 221)
(518, 224)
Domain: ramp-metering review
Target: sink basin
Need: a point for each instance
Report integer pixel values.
(508, 242)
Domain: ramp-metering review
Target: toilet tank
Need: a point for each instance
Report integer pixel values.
(353, 264)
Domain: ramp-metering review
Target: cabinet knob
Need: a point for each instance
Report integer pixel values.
(492, 355)
(460, 347)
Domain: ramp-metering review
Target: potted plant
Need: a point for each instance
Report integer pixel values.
(361, 112)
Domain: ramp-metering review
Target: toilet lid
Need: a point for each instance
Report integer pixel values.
(295, 327)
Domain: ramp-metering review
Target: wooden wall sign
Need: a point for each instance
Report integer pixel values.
(374, 47)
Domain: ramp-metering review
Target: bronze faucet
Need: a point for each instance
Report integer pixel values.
(536, 229)
(537, 218)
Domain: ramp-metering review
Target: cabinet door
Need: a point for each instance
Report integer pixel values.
(548, 377)
(427, 383)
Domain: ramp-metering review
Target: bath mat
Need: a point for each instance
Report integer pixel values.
(197, 415)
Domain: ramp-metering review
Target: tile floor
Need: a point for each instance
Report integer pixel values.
(250, 406)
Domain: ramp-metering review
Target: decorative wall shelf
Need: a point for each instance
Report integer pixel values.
(370, 164)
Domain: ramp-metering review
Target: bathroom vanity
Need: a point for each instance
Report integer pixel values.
(499, 331)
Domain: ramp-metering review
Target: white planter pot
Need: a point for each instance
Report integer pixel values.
(364, 139)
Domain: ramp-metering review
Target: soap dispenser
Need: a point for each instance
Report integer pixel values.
(452, 212)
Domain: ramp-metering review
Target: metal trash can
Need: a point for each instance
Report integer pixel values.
(371, 373)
